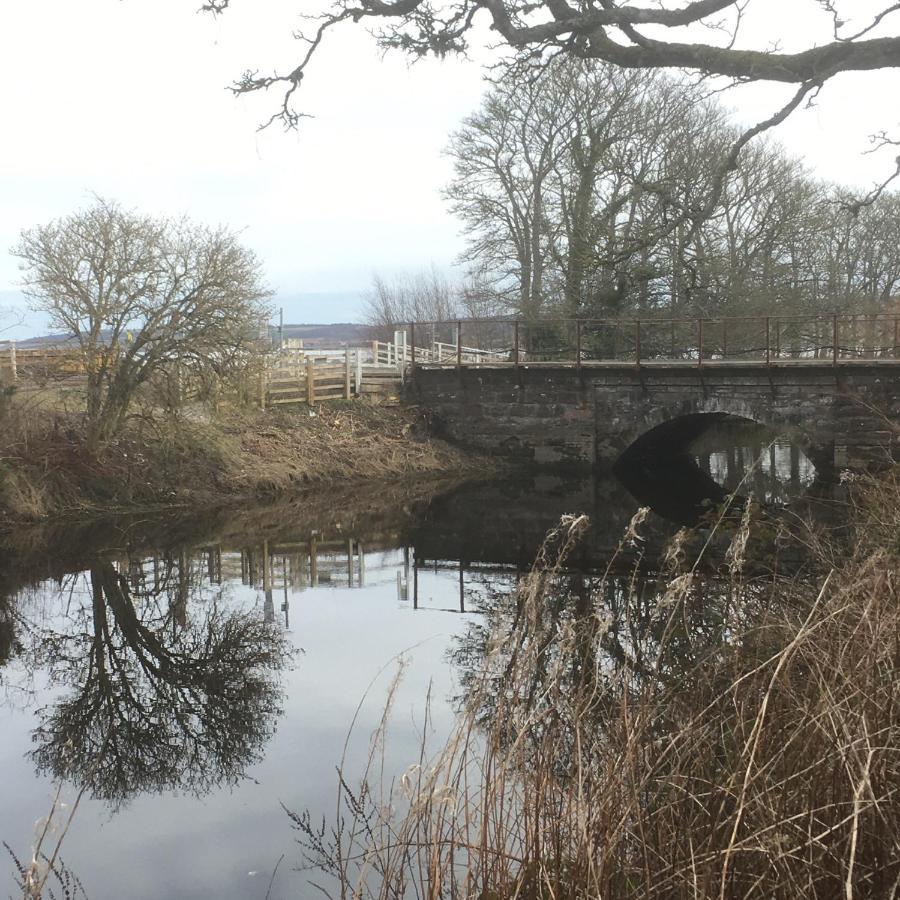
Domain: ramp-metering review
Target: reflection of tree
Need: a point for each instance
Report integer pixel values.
(158, 701)
(7, 631)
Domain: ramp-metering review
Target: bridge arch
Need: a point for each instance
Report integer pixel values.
(840, 415)
(674, 426)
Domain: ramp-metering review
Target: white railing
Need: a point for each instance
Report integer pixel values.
(398, 353)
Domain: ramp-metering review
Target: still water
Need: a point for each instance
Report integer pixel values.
(192, 675)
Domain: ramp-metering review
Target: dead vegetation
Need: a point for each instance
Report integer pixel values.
(48, 467)
(734, 738)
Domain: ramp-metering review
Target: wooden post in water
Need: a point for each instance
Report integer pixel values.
(346, 373)
(310, 381)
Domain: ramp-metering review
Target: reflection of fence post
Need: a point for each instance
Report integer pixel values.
(346, 373)
(12, 361)
(310, 381)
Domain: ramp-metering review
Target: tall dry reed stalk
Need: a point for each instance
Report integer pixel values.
(734, 740)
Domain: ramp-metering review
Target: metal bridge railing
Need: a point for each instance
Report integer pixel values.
(769, 340)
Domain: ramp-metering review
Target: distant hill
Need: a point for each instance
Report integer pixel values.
(336, 334)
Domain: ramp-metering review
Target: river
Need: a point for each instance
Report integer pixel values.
(186, 677)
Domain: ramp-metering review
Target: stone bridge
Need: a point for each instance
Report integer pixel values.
(845, 414)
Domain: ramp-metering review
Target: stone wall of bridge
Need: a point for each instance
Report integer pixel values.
(845, 415)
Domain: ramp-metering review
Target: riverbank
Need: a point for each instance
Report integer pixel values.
(203, 460)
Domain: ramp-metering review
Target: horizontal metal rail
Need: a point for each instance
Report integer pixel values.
(701, 341)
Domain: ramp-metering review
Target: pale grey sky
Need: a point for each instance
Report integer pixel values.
(126, 98)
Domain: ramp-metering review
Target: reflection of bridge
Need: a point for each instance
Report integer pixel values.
(582, 392)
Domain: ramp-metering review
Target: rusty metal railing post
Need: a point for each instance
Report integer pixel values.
(768, 345)
(516, 343)
(458, 344)
(412, 346)
(834, 340)
(578, 343)
(637, 342)
(700, 343)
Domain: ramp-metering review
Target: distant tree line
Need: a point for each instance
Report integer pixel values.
(594, 191)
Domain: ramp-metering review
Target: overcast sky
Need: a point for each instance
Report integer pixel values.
(127, 99)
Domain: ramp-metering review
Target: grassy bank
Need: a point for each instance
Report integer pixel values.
(203, 459)
(734, 736)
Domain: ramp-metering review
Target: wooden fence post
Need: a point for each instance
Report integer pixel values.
(12, 361)
(310, 381)
(458, 344)
(346, 373)
(359, 373)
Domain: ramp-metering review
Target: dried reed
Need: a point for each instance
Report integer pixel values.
(739, 738)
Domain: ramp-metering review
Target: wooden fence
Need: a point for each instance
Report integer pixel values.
(293, 375)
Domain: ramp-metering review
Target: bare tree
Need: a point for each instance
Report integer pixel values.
(424, 296)
(699, 36)
(141, 296)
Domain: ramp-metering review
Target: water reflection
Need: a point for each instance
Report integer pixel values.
(162, 688)
(165, 642)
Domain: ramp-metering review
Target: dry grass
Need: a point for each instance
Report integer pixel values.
(46, 466)
(734, 739)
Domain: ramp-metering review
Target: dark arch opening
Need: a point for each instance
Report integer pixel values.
(662, 469)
